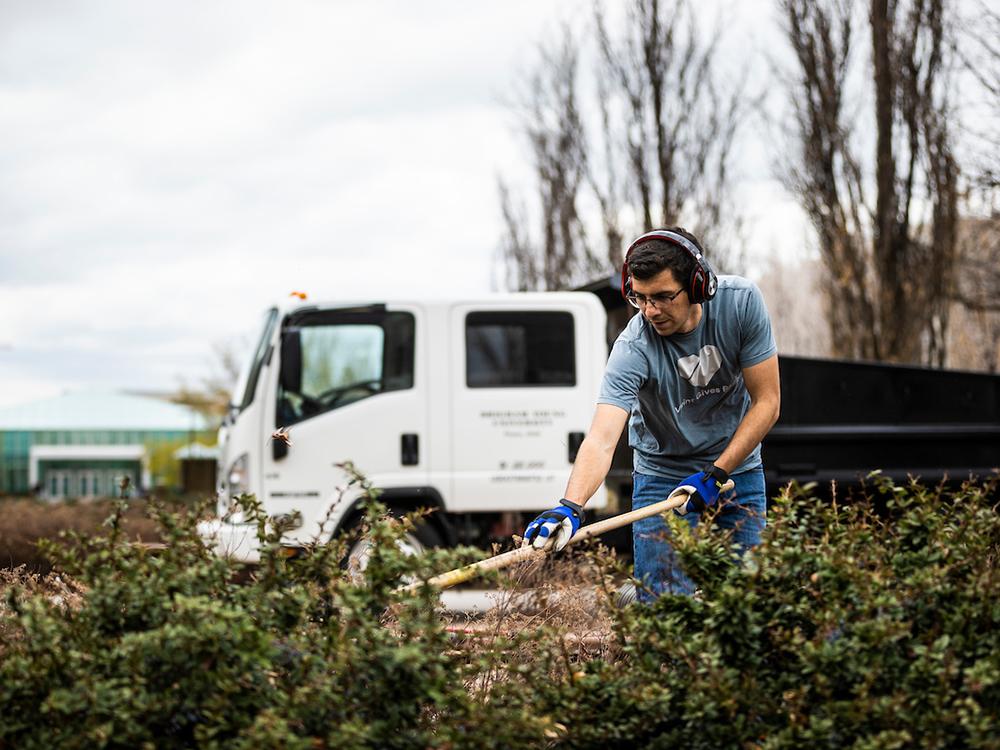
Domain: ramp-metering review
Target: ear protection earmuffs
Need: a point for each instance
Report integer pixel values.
(702, 284)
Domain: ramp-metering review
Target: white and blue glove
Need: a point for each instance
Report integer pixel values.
(555, 527)
(703, 488)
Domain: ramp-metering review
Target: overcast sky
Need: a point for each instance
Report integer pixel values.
(169, 169)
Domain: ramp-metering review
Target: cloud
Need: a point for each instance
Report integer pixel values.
(169, 169)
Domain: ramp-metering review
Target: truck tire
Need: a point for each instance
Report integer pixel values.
(423, 537)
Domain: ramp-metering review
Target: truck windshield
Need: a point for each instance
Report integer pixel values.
(246, 385)
(343, 358)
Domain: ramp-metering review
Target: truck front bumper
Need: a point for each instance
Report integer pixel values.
(237, 541)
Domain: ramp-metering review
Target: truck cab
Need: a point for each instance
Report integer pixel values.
(474, 408)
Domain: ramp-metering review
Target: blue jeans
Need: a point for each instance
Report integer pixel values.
(742, 510)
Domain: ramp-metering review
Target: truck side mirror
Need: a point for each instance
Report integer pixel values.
(279, 449)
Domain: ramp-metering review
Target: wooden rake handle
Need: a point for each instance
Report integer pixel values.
(523, 554)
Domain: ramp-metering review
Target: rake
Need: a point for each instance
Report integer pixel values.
(524, 554)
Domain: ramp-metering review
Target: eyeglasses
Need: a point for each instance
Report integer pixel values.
(658, 301)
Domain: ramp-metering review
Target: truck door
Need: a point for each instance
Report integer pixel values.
(347, 389)
(522, 399)
(241, 437)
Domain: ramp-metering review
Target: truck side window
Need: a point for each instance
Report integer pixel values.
(346, 358)
(519, 348)
(246, 386)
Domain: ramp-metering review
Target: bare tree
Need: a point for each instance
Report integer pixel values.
(211, 396)
(522, 261)
(676, 148)
(976, 322)
(979, 281)
(978, 285)
(555, 134)
(977, 319)
(660, 150)
(796, 319)
(888, 247)
(979, 51)
(608, 186)
(975, 330)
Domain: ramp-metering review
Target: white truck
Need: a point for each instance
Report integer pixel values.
(474, 408)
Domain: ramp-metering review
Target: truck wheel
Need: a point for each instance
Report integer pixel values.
(423, 537)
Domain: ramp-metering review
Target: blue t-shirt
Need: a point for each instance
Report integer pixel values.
(685, 393)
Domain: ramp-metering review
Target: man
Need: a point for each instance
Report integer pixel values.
(695, 376)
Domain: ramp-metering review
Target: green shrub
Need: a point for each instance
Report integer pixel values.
(846, 628)
(167, 651)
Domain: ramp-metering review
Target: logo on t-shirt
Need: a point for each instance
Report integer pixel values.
(701, 367)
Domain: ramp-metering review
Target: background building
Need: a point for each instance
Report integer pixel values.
(83, 444)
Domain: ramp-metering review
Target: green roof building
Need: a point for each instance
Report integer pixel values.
(85, 444)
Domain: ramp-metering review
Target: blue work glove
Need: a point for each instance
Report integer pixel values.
(555, 527)
(704, 488)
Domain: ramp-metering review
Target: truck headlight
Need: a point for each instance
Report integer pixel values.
(238, 476)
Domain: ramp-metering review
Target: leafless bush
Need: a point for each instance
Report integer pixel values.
(559, 610)
(60, 589)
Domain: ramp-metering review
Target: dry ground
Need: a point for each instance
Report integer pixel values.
(24, 521)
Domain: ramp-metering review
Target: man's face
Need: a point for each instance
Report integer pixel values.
(667, 318)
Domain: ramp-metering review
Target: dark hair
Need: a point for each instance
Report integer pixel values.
(654, 256)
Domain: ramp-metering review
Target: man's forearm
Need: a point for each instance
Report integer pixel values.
(756, 423)
(593, 461)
